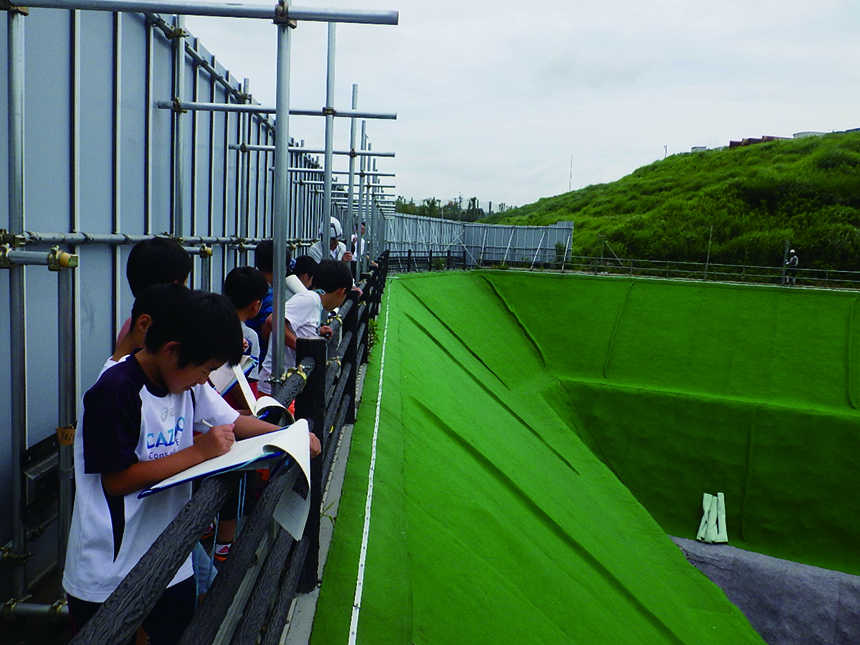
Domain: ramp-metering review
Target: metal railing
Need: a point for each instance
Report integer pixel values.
(324, 390)
(409, 261)
(824, 278)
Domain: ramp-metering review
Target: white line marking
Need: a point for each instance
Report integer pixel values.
(359, 581)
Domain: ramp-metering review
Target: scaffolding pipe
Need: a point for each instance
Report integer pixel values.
(328, 111)
(329, 131)
(66, 408)
(321, 171)
(227, 10)
(316, 182)
(178, 220)
(282, 199)
(362, 167)
(20, 609)
(348, 153)
(17, 288)
(189, 242)
(351, 206)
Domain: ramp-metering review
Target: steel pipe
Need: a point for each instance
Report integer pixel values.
(351, 153)
(55, 259)
(227, 10)
(20, 609)
(17, 287)
(66, 407)
(329, 130)
(321, 171)
(178, 201)
(282, 198)
(351, 206)
(29, 237)
(185, 106)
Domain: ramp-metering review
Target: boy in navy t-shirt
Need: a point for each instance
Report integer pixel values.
(136, 430)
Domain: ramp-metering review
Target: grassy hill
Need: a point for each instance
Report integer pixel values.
(804, 190)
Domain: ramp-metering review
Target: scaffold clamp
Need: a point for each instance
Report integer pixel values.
(66, 435)
(12, 239)
(301, 372)
(5, 5)
(59, 260)
(282, 15)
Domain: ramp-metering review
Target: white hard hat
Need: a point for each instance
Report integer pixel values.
(335, 229)
(792, 251)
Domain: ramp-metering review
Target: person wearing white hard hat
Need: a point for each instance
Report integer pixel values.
(336, 250)
(792, 263)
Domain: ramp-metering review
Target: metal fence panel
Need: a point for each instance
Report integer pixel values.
(482, 243)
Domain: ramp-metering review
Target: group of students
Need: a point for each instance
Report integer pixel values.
(152, 413)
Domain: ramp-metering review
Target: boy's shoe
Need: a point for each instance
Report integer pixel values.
(209, 532)
(222, 551)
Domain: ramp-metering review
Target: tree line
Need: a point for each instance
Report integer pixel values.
(432, 207)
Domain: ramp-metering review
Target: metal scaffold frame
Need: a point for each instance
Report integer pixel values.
(257, 204)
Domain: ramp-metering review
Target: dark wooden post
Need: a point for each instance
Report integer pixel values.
(364, 324)
(430, 260)
(310, 405)
(381, 278)
(409, 261)
(464, 259)
(350, 324)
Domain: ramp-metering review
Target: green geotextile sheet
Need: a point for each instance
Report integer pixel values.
(538, 436)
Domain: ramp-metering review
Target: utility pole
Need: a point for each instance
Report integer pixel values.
(570, 180)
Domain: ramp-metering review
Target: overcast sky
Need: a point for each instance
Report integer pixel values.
(494, 97)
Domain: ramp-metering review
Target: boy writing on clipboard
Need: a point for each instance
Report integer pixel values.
(136, 430)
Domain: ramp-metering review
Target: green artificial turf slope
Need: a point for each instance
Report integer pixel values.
(493, 521)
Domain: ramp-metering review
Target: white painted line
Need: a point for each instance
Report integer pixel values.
(359, 581)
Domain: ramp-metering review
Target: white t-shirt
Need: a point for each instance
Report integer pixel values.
(253, 349)
(304, 314)
(317, 253)
(127, 419)
(110, 362)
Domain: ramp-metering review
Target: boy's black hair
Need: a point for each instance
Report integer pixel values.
(158, 260)
(264, 257)
(244, 285)
(332, 275)
(205, 325)
(154, 299)
(305, 264)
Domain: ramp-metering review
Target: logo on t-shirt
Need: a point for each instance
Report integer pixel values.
(164, 442)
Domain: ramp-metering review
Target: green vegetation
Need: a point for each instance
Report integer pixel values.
(806, 191)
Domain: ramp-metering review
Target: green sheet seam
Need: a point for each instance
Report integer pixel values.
(745, 485)
(518, 322)
(606, 460)
(542, 516)
(451, 331)
(494, 396)
(615, 327)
